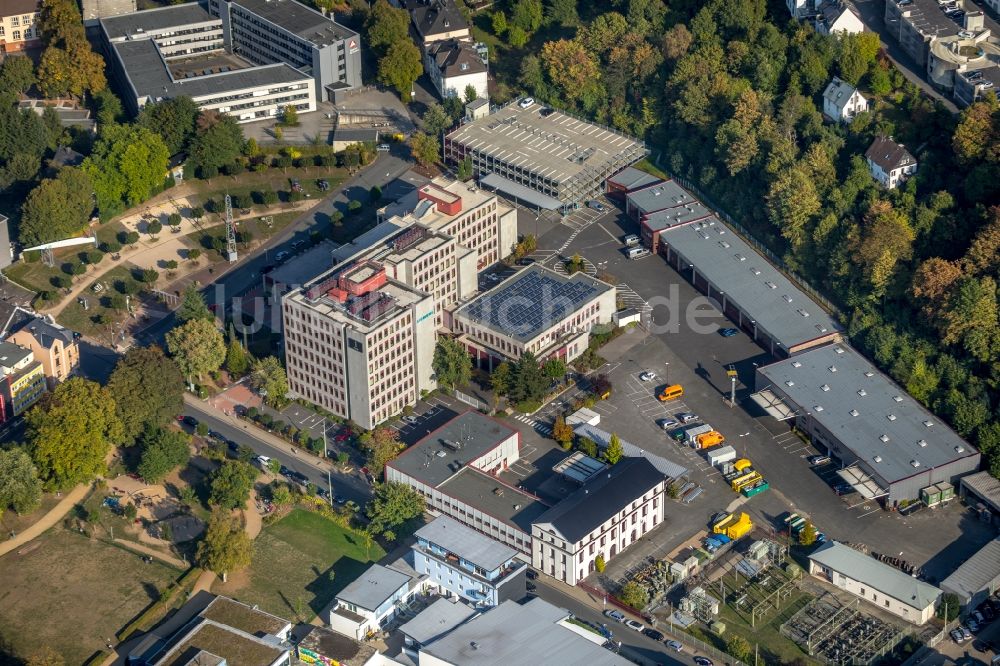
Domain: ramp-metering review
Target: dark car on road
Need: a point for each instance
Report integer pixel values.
(728, 332)
(191, 421)
(654, 634)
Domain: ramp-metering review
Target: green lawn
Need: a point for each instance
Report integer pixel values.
(292, 562)
(272, 179)
(71, 592)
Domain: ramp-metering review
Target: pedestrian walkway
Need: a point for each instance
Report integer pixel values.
(543, 429)
(152, 552)
(57, 513)
(631, 299)
(569, 240)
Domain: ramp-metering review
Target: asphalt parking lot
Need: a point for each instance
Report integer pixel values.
(686, 348)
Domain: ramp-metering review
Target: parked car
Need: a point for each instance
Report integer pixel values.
(383, 148)
(686, 417)
(634, 625)
(647, 375)
(191, 421)
(703, 661)
(843, 489)
(323, 185)
(532, 575)
(631, 240)
(412, 420)
(818, 460)
(966, 634)
(972, 625)
(675, 646)
(596, 205)
(614, 615)
(728, 332)
(654, 634)
(339, 499)
(526, 102)
(957, 635)
(281, 256)
(669, 423)
(979, 617)
(262, 461)
(298, 245)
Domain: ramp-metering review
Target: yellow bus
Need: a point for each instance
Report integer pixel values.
(672, 393)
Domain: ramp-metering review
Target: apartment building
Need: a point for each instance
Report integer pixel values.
(359, 343)
(370, 601)
(18, 31)
(465, 563)
(607, 514)
(52, 345)
(536, 310)
(286, 31)
(179, 50)
(475, 217)
(22, 382)
(455, 469)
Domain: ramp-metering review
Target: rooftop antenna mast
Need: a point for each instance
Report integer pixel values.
(230, 231)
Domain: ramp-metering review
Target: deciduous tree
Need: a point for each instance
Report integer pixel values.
(634, 594)
(226, 547)
(231, 484)
(614, 452)
(20, 487)
(147, 388)
(451, 363)
(386, 25)
(218, 141)
(392, 505)
(197, 346)
(193, 305)
(70, 432)
(17, 74)
(380, 446)
(58, 208)
(400, 67)
(425, 148)
(127, 165)
(563, 13)
(570, 67)
(267, 377)
(163, 451)
(237, 359)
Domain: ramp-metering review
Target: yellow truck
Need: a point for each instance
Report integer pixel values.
(709, 439)
(733, 525)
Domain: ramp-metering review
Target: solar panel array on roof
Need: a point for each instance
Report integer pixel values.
(530, 302)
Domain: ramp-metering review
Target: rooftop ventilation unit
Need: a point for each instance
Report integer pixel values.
(771, 285)
(877, 459)
(796, 364)
(891, 417)
(915, 463)
(959, 449)
(869, 373)
(825, 387)
(818, 408)
(788, 299)
(803, 313)
(839, 350)
(928, 423)
(739, 257)
(897, 398)
(855, 412)
(862, 393)
(789, 383)
(922, 443)
(833, 368)
(755, 271)
(884, 438)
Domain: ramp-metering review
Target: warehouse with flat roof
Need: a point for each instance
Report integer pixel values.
(542, 157)
(749, 289)
(977, 577)
(888, 445)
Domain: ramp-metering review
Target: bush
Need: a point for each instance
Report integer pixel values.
(111, 247)
(295, 195)
(634, 595)
(599, 564)
(353, 206)
(252, 412)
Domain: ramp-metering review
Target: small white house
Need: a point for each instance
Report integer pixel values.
(889, 162)
(801, 8)
(842, 101)
(838, 17)
(370, 601)
(880, 584)
(454, 65)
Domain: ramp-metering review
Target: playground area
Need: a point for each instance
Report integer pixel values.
(165, 519)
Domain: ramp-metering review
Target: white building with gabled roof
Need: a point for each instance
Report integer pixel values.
(842, 101)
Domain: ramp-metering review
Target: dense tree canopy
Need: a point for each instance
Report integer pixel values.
(128, 164)
(163, 451)
(231, 484)
(392, 505)
(147, 388)
(57, 208)
(197, 346)
(71, 431)
(173, 119)
(20, 487)
(217, 142)
(226, 547)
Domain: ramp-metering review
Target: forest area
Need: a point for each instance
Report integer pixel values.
(728, 96)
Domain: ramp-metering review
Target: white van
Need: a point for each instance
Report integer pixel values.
(631, 240)
(637, 252)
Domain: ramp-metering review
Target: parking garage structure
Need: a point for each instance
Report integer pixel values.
(748, 289)
(887, 445)
(545, 158)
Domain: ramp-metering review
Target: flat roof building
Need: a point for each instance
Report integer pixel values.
(889, 446)
(982, 492)
(884, 586)
(359, 343)
(433, 622)
(976, 578)
(628, 180)
(544, 157)
(661, 206)
(323, 646)
(287, 31)
(533, 633)
(536, 310)
(371, 600)
(454, 469)
(607, 514)
(150, 64)
(460, 561)
(749, 289)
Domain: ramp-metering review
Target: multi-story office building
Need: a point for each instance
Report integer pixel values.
(475, 217)
(359, 343)
(540, 156)
(460, 561)
(94, 10)
(163, 53)
(537, 310)
(18, 29)
(610, 512)
(22, 382)
(287, 31)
